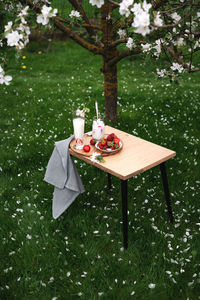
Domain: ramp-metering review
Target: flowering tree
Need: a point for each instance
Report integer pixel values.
(122, 28)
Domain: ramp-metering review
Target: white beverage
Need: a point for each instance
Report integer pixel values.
(78, 124)
(98, 129)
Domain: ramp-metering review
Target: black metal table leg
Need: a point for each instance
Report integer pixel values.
(124, 212)
(109, 181)
(166, 190)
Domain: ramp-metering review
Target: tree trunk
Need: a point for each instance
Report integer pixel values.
(110, 90)
(109, 71)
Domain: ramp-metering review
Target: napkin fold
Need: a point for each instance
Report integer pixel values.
(63, 175)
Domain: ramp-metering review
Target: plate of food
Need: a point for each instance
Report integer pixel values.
(109, 144)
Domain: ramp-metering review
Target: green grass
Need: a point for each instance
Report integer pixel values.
(43, 258)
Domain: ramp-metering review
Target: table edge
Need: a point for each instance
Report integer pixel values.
(103, 168)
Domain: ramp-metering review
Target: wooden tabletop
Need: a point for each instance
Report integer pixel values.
(136, 156)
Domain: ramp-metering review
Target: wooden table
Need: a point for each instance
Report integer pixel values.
(136, 156)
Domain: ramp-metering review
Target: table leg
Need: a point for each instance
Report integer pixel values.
(124, 212)
(166, 190)
(109, 181)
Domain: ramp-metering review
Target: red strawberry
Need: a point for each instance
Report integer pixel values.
(109, 138)
(103, 141)
(116, 140)
(86, 148)
(116, 146)
(100, 145)
(110, 144)
(92, 142)
(113, 148)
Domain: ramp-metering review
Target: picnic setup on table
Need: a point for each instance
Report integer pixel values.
(114, 151)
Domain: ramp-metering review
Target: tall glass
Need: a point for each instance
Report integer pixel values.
(98, 128)
(79, 123)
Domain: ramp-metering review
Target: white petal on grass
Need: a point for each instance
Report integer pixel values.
(152, 285)
(132, 293)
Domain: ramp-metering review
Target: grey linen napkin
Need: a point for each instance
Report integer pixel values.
(62, 173)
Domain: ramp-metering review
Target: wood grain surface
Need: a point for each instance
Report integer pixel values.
(136, 156)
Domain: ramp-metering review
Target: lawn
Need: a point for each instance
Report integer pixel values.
(81, 255)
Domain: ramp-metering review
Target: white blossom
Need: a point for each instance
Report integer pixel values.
(94, 157)
(8, 26)
(47, 13)
(157, 20)
(137, 8)
(98, 3)
(161, 73)
(180, 42)
(19, 6)
(80, 113)
(157, 47)
(42, 20)
(24, 12)
(24, 28)
(142, 18)
(5, 79)
(177, 67)
(175, 17)
(130, 43)
(197, 44)
(146, 47)
(21, 44)
(146, 6)
(23, 20)
(142, 22)
(13, 38)
(74, 14)
(124, 7)
(121, 33)
(108, 17)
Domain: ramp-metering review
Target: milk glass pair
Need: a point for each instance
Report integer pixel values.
(79, 123)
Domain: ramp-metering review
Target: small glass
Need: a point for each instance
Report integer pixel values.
(79, 124)
(98, 129)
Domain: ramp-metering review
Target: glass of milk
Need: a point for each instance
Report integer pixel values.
(79, 123)
(98, 128)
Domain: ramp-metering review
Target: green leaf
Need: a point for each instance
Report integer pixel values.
(100, 158)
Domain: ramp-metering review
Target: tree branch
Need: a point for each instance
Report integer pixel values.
(173, 24)
(179, 59)
(122, 55)
(77, 5)
(175, 8)
(117, 42)
(115, 4)
(35, 7)
(194, 70)
(95, 27)
(158, 3)
(92, 48)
